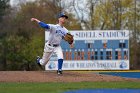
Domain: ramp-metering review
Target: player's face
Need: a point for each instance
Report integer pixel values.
(62, 20)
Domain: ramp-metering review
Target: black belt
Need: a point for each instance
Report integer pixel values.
(54, 45)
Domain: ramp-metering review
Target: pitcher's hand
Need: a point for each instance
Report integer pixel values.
(34, 19)
(72, 45)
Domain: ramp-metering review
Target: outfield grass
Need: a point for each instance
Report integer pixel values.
(62, 87)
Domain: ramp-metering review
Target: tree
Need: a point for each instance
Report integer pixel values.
(111, 15)
(4, 4)
(24, 40)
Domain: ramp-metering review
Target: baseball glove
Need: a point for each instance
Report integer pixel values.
(69, 38)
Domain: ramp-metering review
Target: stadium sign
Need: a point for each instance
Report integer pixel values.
(95, 50)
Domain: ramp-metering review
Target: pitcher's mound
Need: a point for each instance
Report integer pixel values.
(51, 76)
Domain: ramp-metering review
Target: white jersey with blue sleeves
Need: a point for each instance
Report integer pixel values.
(57, 33)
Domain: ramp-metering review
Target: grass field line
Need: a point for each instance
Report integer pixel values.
(51, 87)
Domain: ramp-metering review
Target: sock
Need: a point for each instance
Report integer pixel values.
(60, 63)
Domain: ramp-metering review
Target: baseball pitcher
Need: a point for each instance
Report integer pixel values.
(57, 32)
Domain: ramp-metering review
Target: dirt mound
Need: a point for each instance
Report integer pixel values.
(51, 76)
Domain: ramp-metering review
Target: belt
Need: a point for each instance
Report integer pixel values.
(54, 45)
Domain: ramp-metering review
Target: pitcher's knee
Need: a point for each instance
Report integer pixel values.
(43, 62)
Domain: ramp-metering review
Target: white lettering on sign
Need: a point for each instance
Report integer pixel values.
(91, 65)
(101, 34)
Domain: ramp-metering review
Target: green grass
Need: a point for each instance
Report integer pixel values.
(62, 87)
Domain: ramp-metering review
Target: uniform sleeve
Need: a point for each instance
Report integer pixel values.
(66, 31)
(44, 25)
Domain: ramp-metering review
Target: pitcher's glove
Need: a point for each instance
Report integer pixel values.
(69, 38)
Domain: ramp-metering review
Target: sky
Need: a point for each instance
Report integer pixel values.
(15, 2)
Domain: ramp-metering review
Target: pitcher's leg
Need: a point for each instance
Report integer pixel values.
(59, 54)
(45, 58)
(46, 55)
(60, 64)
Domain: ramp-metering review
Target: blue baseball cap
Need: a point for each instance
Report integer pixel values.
(62, 15)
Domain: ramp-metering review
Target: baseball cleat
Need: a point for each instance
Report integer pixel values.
(59, 72)
(37, 61)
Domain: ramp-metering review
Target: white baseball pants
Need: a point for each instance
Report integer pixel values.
(48, 51)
